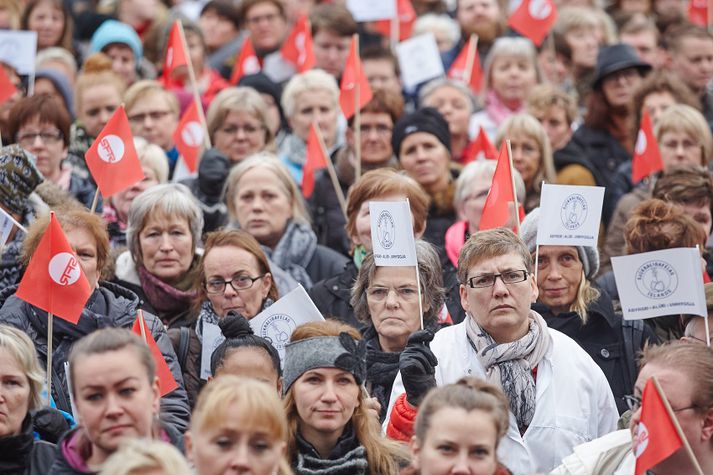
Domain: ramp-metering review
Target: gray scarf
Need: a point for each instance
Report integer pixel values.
(510, 364)
(295, 251)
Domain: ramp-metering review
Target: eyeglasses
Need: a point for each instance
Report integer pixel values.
(238, 283)
(47, 136)
(488, 280)
(381, 130)
(246, 129)
(269, 18)
(405, 294)
(634, 403)
(154, 115)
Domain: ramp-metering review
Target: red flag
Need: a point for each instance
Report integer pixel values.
(698, 12)
(496, 211)
(480, 148)
(656, 435)
(166, 381)
(7, 88)
(112, 158)
(647, 156)
(407, 17)
(246, 63)
(189, 135)
(297, 48)
(54, 280)
(534, 19)
(315, 161)
(175, 54)
(353, 77)
(458, 68)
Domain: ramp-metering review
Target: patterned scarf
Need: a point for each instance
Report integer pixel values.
(295, 251)
(511, 364)
(164, 297)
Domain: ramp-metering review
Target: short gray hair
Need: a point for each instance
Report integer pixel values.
(485, 169)
(312, 80)
(171, 199)
(511, 46)
(430, 273)
(20, 346)
(431, 21)
(436, 84)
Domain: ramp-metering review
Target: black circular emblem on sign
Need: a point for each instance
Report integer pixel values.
(386, 230)
(656, 279)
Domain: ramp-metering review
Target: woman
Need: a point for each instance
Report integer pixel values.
(422, 142)
(330, 428)
(510, 73)
(139, 457)
(22, 380)
(557, 111)
(531, 155)
(116, 394)
(238, 426)
(41, 126)
(310, 97)
(391, 318)
(122, 44)
(52, 22)
(264, 200)
(238, 124)
(456, 104)
(572, 303)
(458, 430)
(109, 305)
(161, 264)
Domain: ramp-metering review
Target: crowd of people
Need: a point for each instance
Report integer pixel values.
(491, 356)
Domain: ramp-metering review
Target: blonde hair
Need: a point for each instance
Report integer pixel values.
(21, 348)
(510, 46)
(575, 17)
(686, 119)
(238, 99)
(153, 157)
(312, 80)
(140, 89)
(137, 456)
(586, 294)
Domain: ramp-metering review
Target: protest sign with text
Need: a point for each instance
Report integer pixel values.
(392, 233)
(570, 215)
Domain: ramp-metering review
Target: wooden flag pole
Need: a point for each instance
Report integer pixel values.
(705, 319)
(470, 58)
(395, 33)
(673, 417)
(95, 201)
(194, 86)
(142, 325)
(514, 190)
(418, 274)
(357, 114)
(332, 172)
(50, 325)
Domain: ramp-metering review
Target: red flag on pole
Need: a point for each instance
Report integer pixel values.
(647, 156)
(534, 19)
(112, 158)
(480, 148)
(458, 69)
(315, 161)
(246, 63)
(353, 77)
(189, 135)
(297, 48)
(7, 88)
(656, 435)
(175, 54)
(497, 208)
(166, 381)
(698, 12)
(406, 17)
(54, 280)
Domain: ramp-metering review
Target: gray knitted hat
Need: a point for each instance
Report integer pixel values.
(528, 233)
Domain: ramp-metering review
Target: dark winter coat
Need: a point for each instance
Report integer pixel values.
(23, 455)
(332, 296)
(207, 187)
(109, 306)
(328, 221)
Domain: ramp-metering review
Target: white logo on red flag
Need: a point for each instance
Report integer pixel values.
(641, 142)
(539, 9)
(192, 134)
(641, 440)
(64, 268)
(251, 65)
(111, 149)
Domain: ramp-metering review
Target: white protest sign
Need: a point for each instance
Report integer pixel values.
(277, 322)
(392, 233)
(18, 48)
(212, 338)
(419, 60)
(570, 215)
(667, 282)
(372, 10)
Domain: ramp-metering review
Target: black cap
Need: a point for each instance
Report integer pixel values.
(427, 120)
(615, 58)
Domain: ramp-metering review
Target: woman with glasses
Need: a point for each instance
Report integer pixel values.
(41, 126)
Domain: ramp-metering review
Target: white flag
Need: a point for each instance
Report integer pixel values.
(6, 224)
(419, 60)
(372, 10)
(570, 215)
(392, 233)
(212, 338)
(19, 48)
(277, 322)
(667, 282)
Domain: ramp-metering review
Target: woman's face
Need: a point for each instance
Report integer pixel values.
(559, 275)
(49, 150)
(151, 117)
(115, 399)
(196, 51)
(584, 44)
(426, 160)
(471, 209)
(121, 202)
(526, 156)
(619, 87)
(14, 394)
(262, 206)
(325, 399)
(251, 362)
(241, 134)
(85, 246)
(454, 106)
(363, 220)
(376, 132)
(512, 78)
(319, 106)
(97, 106)
(392, 298)
(231, 263)
(679, 148)
(458, 441)
(217, 30)
(234, 446)
(123, 61)
(656, 103)
(48, 21)
(556, 125)
(166, 246)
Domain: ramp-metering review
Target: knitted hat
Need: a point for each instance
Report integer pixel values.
(61, 84)
(427, 120)
(264, 85)
(528, 233)
(340, 352)
(18, 177)
(112, 31)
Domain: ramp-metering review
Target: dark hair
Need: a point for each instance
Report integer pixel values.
(377, 52)
(660, 82)
(43, 107)
(332, 17)
(248, 4)
(383, 102)
(223, 9)
(239, 334)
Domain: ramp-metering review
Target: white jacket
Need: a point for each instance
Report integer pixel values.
(574, 402)
(608, 455)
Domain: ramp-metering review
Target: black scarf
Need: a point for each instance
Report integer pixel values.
(347, 458)
(15, 450)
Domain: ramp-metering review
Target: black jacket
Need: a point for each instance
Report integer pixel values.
(207, 187)
(23, 455)
(109, 306)
(328, 221)
(325, 263)
(332, 296)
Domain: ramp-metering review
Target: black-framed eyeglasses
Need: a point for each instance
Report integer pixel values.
(47, 136)
(238, 283)
(488, 280)
(634, 403)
